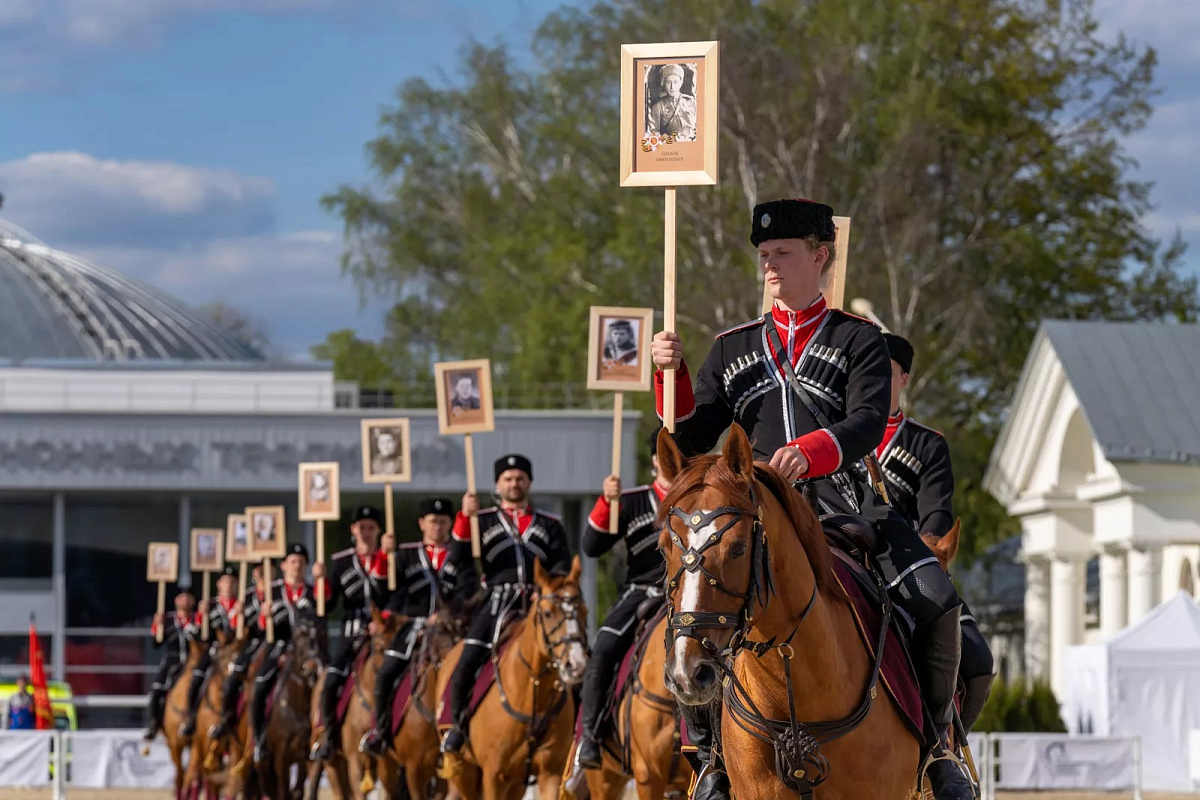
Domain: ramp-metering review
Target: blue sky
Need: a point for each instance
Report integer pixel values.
(186, 142)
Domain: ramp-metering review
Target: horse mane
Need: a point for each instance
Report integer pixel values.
(711, 471)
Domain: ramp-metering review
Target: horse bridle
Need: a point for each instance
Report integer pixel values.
(569, 605)
(759, 589)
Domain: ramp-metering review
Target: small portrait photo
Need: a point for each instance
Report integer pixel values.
(387, 451)
(207, 555)
(619, 348)
(320, 498)
(671, 100)
(464, 392)
(162, 562)
(237, 543)
(265, 527)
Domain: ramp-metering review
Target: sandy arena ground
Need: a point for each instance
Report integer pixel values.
(127, 794)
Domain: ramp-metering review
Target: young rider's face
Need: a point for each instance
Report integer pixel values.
(792, 269)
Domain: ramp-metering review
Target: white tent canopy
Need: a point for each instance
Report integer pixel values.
(1144, 681)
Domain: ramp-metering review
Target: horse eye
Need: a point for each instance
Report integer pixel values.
(738, 550)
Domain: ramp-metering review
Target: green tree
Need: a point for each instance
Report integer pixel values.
(975, 144)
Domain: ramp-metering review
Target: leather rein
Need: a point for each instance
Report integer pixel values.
(799, 763)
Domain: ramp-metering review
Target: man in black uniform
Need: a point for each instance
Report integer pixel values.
(231, 690)
(644, 574)
(810, 386)
(358, 577)
(428, 572)
(181, 628)
(511, 537)
(920, 484)
(221, 619)
(292, 602)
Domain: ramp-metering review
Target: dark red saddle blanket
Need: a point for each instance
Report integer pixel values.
(351, 681)
(483, 684)
(400, 700)
(896, 674)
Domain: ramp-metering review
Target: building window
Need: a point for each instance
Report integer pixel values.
(27, 538)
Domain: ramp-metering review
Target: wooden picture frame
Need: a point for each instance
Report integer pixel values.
(237, 538)
(207, 552)
(386, 451)
(162, 562)
(670, 133)
(266, 539)
(319, 491)
(615, 363)
(464, 396)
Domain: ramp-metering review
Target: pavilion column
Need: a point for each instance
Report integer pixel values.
(1037, 617)
(1114, 583)
(1067, 592)
(1145, 566)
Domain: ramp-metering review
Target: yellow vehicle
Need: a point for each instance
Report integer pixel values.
(62, 702)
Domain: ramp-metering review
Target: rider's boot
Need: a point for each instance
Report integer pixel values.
(187, 728)
(375, 742)
(596, 681)
(230, 691)
(975, 695)
(712, 783)
(154, 712)
(937, 647)
(326, 733)
(258, 717)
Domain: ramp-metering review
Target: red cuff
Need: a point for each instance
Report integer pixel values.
(154, 629)
(600, 513)
(385, 614)
(822, 450)
(685, 399)
(462, 527)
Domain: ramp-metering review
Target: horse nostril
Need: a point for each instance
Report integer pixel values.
(704, 676)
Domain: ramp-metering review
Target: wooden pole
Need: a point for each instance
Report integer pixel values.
(389, 517)
(469, 449)
(268, 601)
(835, 291)
(162, 611)
(321, 561)
(669, 303)
(614, 508)
(241, 622)
(205, 598)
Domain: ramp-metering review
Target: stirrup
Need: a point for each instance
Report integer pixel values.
(944, 752)
(373, 743)
(322, 748)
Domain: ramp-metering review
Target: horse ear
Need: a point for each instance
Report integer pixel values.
(539, 575)
(950, 541)
(738, 455)
(576, 571)
(670, 459)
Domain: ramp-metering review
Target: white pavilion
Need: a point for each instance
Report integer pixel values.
(1100, 459)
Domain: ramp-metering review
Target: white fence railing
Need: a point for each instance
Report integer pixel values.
(112, 759)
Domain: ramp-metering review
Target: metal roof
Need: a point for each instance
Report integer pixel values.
(56, 306)
(1138, 384)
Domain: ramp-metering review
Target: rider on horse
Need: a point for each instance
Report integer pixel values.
(810, 385)
(428, 572)
(511, 537)
(645, 573)
(222, 619)
(916, 466)
(358, 577)
(181, 628)
(231, 690)
(292, 600)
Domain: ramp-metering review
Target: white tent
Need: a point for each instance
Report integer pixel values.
(1145, 682)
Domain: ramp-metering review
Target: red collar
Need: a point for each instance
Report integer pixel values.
(802, 318)
(897, 418)
(517, 513)
(659, 491)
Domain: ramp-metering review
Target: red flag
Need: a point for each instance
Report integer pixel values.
(37, 676)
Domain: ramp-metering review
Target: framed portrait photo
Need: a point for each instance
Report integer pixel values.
(464, 396)
(619, 348)
(670, 101)
(162, 562)
(320, 497)
(207, 554)
(237, 540)
(265, 532)
(386, 451)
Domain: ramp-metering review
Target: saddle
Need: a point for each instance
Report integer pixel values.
(487, 673)
(351, 682)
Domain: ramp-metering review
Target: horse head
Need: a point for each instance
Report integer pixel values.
(714, 539)
(309, 649)
(561, 616)
(385, 629)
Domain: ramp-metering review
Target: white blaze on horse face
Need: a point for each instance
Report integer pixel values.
(576, 657)
(690, 602)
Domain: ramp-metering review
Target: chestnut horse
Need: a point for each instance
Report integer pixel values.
(353, 774)
(175, 712)
(415, 746)
(524, 727)
(644, 733)
(199, 774)
(753, 597)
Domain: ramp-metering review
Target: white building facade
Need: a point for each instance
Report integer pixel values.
(1100, 460)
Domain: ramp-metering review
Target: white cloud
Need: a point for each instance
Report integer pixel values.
(150, 202)
(1170, 26)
